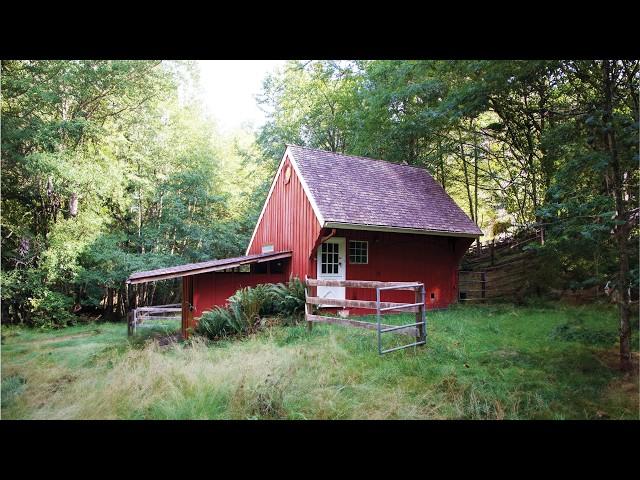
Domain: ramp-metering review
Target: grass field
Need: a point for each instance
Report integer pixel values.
(488, 362)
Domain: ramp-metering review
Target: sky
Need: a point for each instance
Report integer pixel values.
(229, 88)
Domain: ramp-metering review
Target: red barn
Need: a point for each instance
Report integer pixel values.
(334, 216)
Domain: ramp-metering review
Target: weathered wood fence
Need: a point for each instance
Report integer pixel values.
(500, 270)
(417, 329)
(146, 315)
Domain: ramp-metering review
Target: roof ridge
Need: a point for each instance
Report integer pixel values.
(359, 156)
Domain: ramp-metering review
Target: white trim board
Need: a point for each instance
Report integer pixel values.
(382, 228)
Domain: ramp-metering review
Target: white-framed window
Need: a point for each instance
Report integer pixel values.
(267, 248)
(329, 258)
(358, 251)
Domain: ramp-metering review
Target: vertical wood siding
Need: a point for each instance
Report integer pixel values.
(432, 260)
(213, 289)
(289, 223)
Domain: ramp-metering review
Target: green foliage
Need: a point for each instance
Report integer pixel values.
(105, 171)
(220, 322)
(289, 299)
(51, 309)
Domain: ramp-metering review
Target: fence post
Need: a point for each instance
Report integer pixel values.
(419, 297)
(491, 247)
(306, 305)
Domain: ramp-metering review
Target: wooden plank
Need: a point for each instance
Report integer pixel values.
(357, 323)
(338, 302)
(158, 310)
(313, 282)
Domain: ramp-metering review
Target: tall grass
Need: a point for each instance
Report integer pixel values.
(493, 362)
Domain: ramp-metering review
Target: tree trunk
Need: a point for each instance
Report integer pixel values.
(475, 182)
(621, 230)
(466, 178)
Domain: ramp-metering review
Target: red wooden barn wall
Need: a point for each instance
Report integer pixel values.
(289, 223)
(432, 260)
(211, 289)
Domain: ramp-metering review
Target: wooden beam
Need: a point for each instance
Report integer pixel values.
(313, 282)
(158, 309)
(371, 304)
(357, 323)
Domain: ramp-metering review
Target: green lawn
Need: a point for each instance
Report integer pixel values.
(487, 362)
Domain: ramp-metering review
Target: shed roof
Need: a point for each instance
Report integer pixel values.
(358, 191)
(204, 267)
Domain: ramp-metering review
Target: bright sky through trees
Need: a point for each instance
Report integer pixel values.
(229, 88)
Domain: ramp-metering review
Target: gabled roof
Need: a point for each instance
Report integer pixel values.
(359, 192)
(204, 267)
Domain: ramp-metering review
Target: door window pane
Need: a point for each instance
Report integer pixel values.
(329, 258)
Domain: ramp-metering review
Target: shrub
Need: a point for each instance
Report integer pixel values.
(254, 302)
(51, 309)
(218, 322)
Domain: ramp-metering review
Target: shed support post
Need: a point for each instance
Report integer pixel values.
(187, 305)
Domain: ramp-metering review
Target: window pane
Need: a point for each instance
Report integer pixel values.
(358, 251)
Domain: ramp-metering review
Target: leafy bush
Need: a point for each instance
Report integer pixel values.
(51, 309)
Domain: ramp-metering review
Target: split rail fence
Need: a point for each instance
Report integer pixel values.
(418, 329)
(145, 316)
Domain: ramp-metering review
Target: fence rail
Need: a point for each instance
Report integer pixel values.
(417, 329)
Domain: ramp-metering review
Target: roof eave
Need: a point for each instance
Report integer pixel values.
(151, 277)
(384, 228)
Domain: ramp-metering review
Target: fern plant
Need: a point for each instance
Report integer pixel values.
(289, 298)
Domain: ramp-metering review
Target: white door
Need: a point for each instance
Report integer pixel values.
(332, 265)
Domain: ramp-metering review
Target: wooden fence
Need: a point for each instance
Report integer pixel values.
(417, 329)
(498, 270)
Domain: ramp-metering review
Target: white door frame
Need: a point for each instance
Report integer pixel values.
(333, 292)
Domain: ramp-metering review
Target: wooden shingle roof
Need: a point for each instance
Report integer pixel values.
(350, 191)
